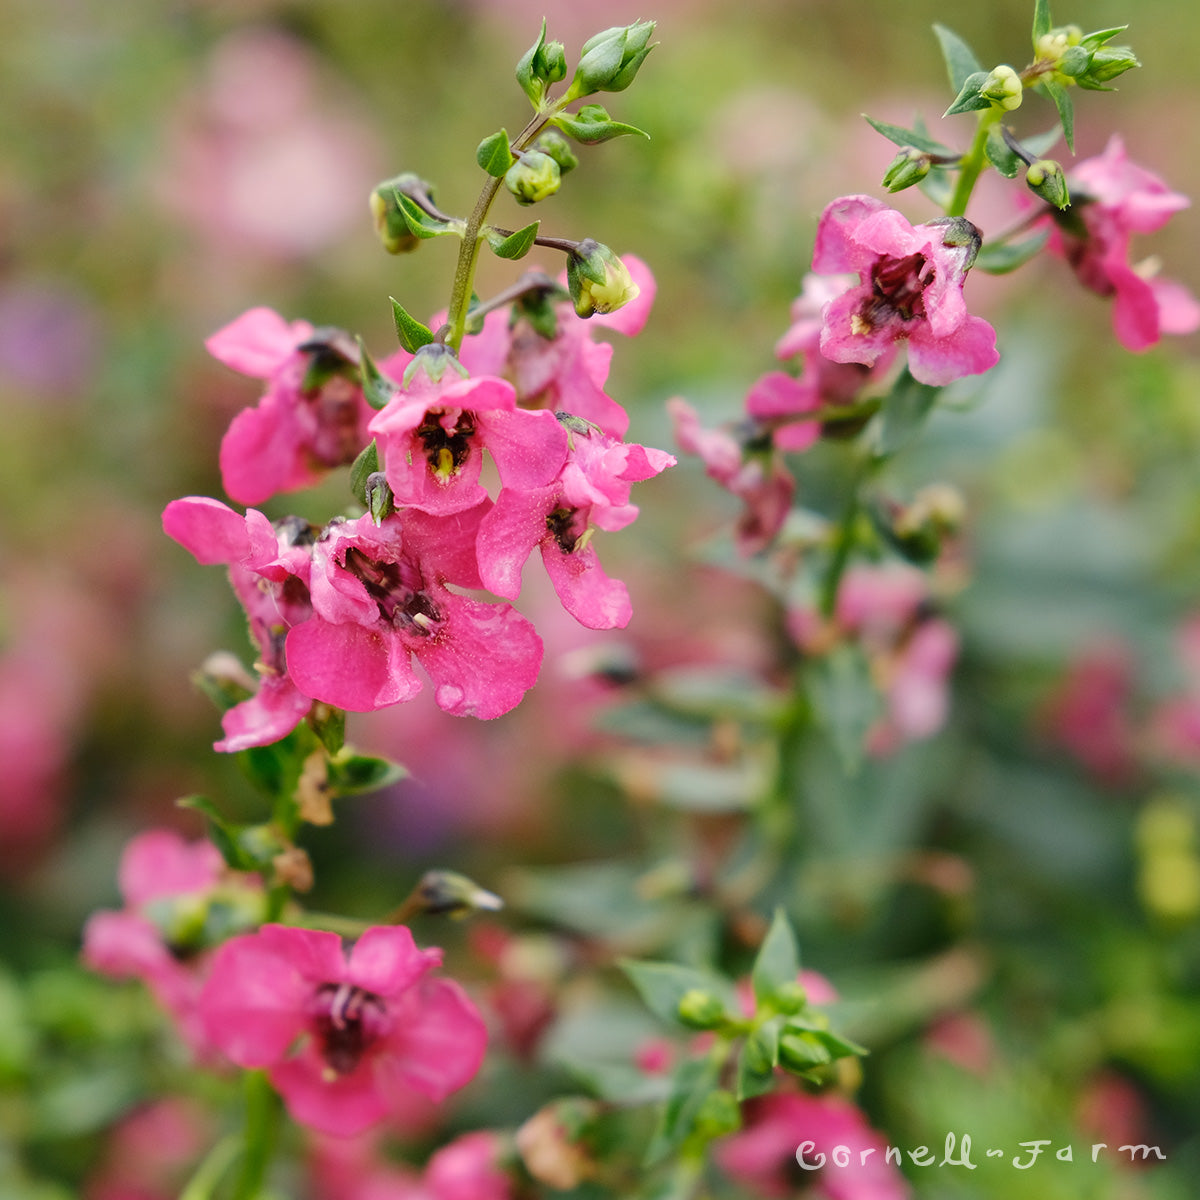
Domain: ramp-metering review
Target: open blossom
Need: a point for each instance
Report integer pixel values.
(750, 469)
(312, 417)
(910, 288)
(342, 1035)
(762, 1155)
(380, 598)
(591, 492)
(1113, 199)
(565, 373)
(167, 884)
(268, 568)
(432, 434)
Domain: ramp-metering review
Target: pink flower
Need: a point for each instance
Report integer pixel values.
(915, 685)
(1112, 199)
(268, 568)
(762, 1155)
(565, 373)
(591, 492)
(753, 473)
(380, 598)
(370, 1025)
(911, 281)
(167, 884)
(313, 416)
(431, 435)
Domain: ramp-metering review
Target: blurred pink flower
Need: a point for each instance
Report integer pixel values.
(965, 1039)
(372, 1025)
(911, 280)
(149, 1154)
(1112, 199)
(49, 338)
(762, 1155)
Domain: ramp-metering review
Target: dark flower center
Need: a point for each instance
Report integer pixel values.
(446, 449)
(396, 589)
(346, 1021)
(567, 526)
(899, 285)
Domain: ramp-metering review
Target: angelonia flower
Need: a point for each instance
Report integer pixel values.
(1113, 199)
(910, 289)
(179, 900)
(343, 1034)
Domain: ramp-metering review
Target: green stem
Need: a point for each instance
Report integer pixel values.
(212, 1169)
(262, 1124)
(844, 543)
(973, 163)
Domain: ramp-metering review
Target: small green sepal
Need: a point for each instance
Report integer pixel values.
(376, 387)
(412, 334)
(494, 155)
(512, 245)
(969, 98)
(380, 502)
(610, 60)
(363, 467)
(542, 64)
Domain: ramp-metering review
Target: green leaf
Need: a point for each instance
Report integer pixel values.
(364, 466)
(353, 774)
(1066, 109)
(1001, 155)
(961, 62)
(846, 702)
(493, 154)
(420, 223)
(1093, 41)
(778, 959)
(515, 245)
(1042, 21)
(905, 409)
(757, 1060)
(412, 334)
(377, 389)
(691, 1084)
(662, 986)
(900, 136)
(531, 85)
(220, 833)
(329, 724)
(591, 125)
(968, 98)
(998, 258)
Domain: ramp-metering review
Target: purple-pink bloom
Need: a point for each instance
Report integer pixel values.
(753, 473)
(343, 1035)
(1113, 199)
(380, 598)
(590, 493)
(432, 434)
(910, 288)
(299, 429)
(566, 373)
(268, 568)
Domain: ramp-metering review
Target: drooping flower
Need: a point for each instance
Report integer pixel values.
(1113, 199)
(763, 1154)
(380, 598)
(591, 492)
(433, 431)
(175, 892)
(313, 416)
(342, 1035)
(269, 569)
(910, 288)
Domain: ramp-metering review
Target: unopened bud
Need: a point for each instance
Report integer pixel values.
(1107, 63)
(378, 494)
(448, 894)
(1045, 178)
(789, 998)
(800, 1051)
(1004, 88)
(435, 359)
(393, 230)
(699, 1009)
(1053, 44)
(554, 144)
(533, 177)
(598, 280)
(908, 167)
(609, 61)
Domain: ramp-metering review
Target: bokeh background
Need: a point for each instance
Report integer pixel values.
(1025, 889)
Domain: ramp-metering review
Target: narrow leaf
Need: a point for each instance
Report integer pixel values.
(377, 388)
(968, 98)
(364, 466)
(663, 985)
(420, 223)
(757, 1060)
(693, 1082)
(961, 62)
(353, 774)
(778, 959)
(412, 334)
(1042, 21)
(998, 258)
(494, 154)
(904, 412)
(1001, 155)
(515, 245)
(900, 136)
(1066, 110)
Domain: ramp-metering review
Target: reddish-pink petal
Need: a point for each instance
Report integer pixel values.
(161, 863)
(386, 961)
(341, 1106)
(508, 534)
(836, 248)
(272, 713)
(210, 530)
(970, 350)
(260, 452)
(258, 342)
(529, 447)
(349, 665)
(586, 592)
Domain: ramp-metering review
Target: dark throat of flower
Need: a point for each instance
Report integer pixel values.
(446, 449)
(396, 587)
(898, 287)
(346, 1021)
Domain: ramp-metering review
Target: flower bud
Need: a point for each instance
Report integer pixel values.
(1003, 87)
(447, 893)
(554, 144)
(393, 230)
(610, 60)
(599, 282)
(1107, 63)
(533, 177)
(719, 1114)
(1054, 43)
(380, 502)
(789, 998)
(908, 167)
(699, 1009)
(1045, 178)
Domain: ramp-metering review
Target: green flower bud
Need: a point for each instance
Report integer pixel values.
(393, 230)
(699, 1009)
(1003, 87)
(610, 60)
(533, 177)
(908, 167)
(1053, 44)
(598, 280)
(789, 998)
(447, 893)
(554, 144)
(719, 1114)
(800, 1051)
(1107, 63)
(1045, 179)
